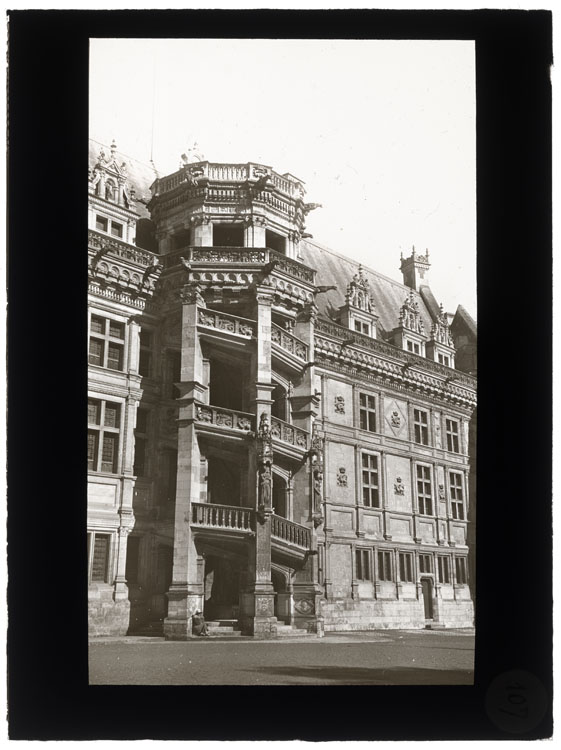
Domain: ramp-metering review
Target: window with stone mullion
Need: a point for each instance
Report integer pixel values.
(367, 412)
(424, 490)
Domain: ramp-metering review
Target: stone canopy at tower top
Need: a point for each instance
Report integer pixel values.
(278, 437)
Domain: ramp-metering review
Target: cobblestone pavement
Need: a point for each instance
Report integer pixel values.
(398, 657)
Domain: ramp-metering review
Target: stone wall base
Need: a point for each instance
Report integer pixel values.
(106, 616)
(376, 614)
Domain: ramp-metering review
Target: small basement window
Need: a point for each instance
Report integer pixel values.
(227, 235)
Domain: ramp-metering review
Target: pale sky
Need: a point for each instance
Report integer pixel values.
(382, 133)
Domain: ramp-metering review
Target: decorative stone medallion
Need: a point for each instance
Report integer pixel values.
(304, 606)
(396, 419)
(342, 478)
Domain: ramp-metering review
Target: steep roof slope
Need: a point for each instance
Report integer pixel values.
(387, 294)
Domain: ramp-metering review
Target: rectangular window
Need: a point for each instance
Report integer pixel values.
(109, 453)
(104, 418)
(363, 565)
(443, 569)
(96, 354)
(413, 347)
(145, 361)
(362, 327)
(106, 343)
(99, 570)
(93, 411)
(406, 567)
(425, 563)
(367, 412)
(452, 435)
(421, 426)
(370, 487)
(131, 566)
(385, 565)
(457, 496)
(424, 490)
(461, 577)
(444, 359)
(116, 229)
(101, 223)
(92, 450)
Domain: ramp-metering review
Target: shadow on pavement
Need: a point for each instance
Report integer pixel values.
(366, 676)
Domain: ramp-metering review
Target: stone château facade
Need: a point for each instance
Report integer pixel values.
(277, 436)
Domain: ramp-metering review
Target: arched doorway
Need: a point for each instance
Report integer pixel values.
(283, 595)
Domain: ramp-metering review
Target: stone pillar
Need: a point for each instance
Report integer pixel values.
(254, 232)
(185, 595)
(201, 231)
(257, 601)
(305, 402)
(120, 591)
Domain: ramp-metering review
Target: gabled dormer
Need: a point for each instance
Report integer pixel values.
(440, 346)
(111, 202)
(358, 313)
(410, 332)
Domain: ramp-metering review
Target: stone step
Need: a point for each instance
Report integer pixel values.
(213, 630)
(288, 631)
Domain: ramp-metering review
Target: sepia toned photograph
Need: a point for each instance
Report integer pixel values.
(282, 362)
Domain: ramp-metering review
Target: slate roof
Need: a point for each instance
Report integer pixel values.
(387, 294)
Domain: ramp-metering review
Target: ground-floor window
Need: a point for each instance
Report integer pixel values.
(385, 572)
(461, 576)
(443, 569)
(406, 567)
(425, 563)
(363, 565)
(99, 547)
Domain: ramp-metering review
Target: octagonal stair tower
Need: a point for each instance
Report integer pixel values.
(238, 312)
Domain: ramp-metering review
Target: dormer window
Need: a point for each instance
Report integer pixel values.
(413, 347)
(362, 327)
(103, 224)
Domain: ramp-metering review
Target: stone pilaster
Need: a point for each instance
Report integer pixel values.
(185, 595)
(257, 601)
(254, 231)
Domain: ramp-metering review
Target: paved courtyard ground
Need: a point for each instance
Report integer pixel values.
(397, 657)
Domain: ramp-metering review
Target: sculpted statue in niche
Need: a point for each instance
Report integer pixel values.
(396, 419)
(339, 404)
(441, 494)
(265, 483)
(399, 487)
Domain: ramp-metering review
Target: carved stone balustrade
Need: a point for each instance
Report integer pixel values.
(211, 516)
(219, 417)
(289, 343)
(336, 331)
(288, 531)
(288, 433)
(112, 247)
(240, 256)
(220, 321)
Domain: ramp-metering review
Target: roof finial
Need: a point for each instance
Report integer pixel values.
(113, 147)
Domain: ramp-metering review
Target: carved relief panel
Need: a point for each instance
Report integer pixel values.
(398, 483)
(395, 418)
(339, 402)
